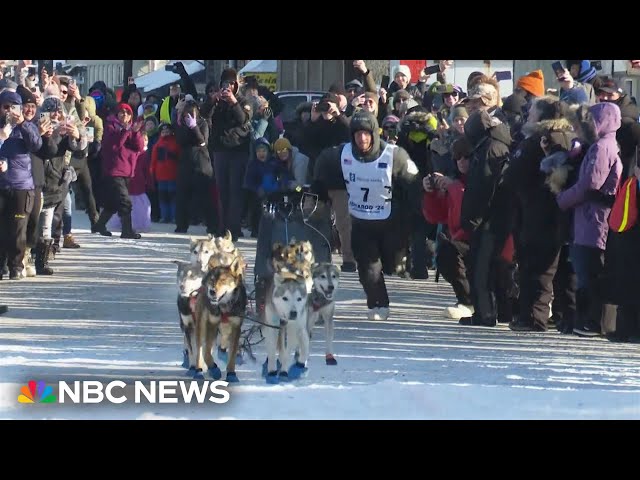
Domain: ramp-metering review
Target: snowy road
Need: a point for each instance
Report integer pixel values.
(109, 313)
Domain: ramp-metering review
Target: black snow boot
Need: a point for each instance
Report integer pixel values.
(101, 225)
(127, 228)
(42, 257)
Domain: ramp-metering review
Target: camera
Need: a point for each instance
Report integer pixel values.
(225, 85)
(597, 64)
(170, 68)
(323, 107)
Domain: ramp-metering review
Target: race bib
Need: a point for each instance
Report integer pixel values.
(369, 185)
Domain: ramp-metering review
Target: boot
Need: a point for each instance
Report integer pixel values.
(127, 228)
(94, 221)
(42, 257)
(69, 242)
(101, 225)
(55, 246)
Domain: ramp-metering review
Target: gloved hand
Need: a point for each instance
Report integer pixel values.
(190, 121)
(601, 198)
(179, 68)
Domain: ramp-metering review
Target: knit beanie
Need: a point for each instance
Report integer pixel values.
(282, 144)
(533, 82)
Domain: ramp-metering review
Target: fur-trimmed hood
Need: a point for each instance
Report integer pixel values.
(422, 121)
(556, 124)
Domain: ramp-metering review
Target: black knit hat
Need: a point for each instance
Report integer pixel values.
(363, 120)
(26, 95)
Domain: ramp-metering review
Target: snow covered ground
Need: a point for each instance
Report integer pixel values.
(109, 313)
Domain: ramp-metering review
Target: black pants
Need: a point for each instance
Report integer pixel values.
(451, 259)
(254, 210)
(97, 183)
(154, 200)
(564, 290)
(84, 187)
(538, 267)
(626, 325)
(422, 246)
(34, 219)
(57, 224)
(230, 169)
(194, 188)
(15, 208)
(374, 247)
(116, 195)
(482, 276)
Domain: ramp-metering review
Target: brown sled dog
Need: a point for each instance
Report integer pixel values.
(220, 307)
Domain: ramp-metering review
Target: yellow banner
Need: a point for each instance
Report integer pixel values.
(268, 80)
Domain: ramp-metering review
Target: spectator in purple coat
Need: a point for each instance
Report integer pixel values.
(121, 144)
(600, 170)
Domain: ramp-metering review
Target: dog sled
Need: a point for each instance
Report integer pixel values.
(291, 215)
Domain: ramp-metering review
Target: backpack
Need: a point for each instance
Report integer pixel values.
(624, 213)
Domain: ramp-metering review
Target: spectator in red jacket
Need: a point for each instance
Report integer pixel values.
(164, 169)
(441, 203)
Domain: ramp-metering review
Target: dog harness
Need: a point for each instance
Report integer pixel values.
(368, 184)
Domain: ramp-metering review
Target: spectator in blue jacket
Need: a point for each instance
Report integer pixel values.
(20, 138)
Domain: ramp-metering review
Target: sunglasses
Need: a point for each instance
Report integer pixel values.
(282, 150)
(454, 94)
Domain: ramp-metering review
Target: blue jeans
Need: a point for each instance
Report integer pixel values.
(167, 200)
(587, 263)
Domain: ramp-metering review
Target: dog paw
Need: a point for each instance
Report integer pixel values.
(215, 372)
(239, 359)
(297, 370)
(272, 378)
(264, 367)
(198, 375)
(330, 360)
(185, 359)
(232, 377)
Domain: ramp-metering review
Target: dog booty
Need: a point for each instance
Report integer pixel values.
(272, 379)
(215, 373)
(198, 375)
(330, 360)
(264, 367)
(191, 372)
(232, 377)
(297, 370)
(284, 377)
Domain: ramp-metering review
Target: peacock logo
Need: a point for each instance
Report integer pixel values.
(36, 392)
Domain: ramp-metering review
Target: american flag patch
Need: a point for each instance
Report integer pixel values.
(346, 161)
(382, 165)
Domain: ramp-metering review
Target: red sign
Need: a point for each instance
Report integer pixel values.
(416, 67)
